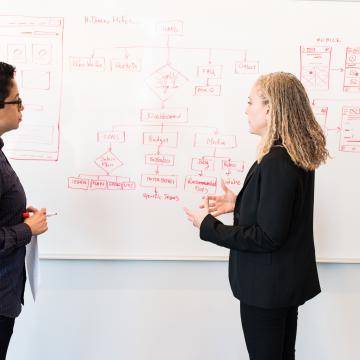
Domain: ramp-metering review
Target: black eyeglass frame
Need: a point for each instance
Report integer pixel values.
(17, 102)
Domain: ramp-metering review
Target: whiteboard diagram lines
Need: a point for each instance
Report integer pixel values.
(207, 165)
(165, 81)
(352, 70)
(108, 162)
(165, 126)
(315, 67)
(340, 118)
(350, 129)
(35, 46)
(167, 182)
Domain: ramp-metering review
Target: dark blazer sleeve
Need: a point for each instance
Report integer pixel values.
(15, 236)
(277, 183)
(12, 237)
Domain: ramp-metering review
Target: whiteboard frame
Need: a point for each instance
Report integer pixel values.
(175, 258)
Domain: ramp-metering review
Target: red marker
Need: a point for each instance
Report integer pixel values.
(26, 215)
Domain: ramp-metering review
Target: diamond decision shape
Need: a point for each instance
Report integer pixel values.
(165, 81)
(108, 162)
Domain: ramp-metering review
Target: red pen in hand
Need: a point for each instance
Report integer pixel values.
(26, 215)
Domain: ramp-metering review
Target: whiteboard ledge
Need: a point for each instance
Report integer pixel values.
(136, 258)
(174, 258)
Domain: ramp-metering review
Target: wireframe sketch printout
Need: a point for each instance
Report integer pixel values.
(133, 113)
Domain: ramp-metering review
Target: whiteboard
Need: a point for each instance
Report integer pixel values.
(133, 113)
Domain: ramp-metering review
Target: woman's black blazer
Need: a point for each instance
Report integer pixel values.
(272, 257)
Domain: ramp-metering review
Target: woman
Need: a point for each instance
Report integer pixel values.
(15, 233)
(272, 267)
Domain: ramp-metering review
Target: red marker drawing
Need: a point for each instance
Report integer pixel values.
(26, 215)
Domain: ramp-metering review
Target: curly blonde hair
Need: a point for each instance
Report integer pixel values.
(292, 123)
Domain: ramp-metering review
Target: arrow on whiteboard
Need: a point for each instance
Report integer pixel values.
(337, 129)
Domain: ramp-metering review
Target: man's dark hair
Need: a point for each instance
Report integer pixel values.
(7, 72)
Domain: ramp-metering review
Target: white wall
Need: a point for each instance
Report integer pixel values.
(139, 310)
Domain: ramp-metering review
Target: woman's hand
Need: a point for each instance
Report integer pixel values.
(37, 222)
(197, 217)
(31, 209)
(221, 204)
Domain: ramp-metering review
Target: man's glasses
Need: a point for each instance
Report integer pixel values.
(17, 102)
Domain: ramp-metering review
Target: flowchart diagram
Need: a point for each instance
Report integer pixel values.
(162, 130)
(166, 130)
